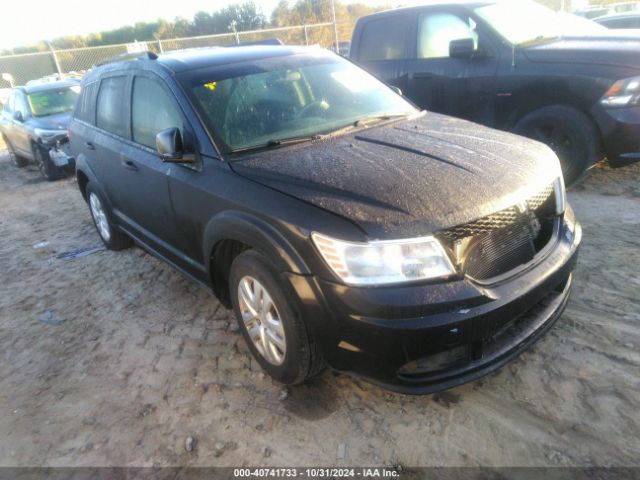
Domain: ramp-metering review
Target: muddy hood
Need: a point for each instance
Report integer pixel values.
(409, 178)
(611, 49)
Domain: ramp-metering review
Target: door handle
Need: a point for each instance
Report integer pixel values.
(129, 165)
(89, 145)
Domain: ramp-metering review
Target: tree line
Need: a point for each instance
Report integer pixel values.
(241, 17)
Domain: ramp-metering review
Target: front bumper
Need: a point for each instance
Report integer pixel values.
(424, 338)
(620, 129)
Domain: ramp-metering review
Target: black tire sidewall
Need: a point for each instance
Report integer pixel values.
(296, 365)
(577, 126)
(117, 240)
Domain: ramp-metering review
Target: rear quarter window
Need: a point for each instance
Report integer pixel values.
(384, 39)
(85, 110)
(110, 105)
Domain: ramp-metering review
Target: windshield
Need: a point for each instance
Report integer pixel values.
(523, 21)
(50, 102)
(296, 96)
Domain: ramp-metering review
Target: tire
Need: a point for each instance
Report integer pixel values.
(112, 238)
(47, 168)
(299, 360)
(569, 133)
(16, 159)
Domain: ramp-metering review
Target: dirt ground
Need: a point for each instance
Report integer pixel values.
(115, 359)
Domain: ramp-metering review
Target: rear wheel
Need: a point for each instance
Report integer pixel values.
(569, 133)
(112, 238)
(16, 159)
(270, 323)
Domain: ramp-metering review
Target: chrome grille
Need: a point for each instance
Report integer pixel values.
(498, 220)
(500, 242)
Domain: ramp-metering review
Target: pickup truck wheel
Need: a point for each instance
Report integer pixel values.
(16, 159)
(569, 133)
(47, 169)
(270, 323)
(112, 238)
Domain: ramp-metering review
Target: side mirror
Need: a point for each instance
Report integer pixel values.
(396, 89)
(169, 146)
(17, 116)
(463, 48)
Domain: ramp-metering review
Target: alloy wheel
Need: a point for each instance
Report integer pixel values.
(99, 217)
(262, 320)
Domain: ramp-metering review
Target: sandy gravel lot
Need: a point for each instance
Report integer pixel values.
(116, 359)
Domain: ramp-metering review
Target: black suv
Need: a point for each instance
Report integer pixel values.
(340, 223)
(516, 66)
(34, 118)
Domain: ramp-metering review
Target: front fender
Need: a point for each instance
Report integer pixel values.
(256, 233)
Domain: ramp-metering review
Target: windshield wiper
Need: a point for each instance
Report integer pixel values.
(361, 122)
(538, 39)
(378, 118)
(278, 142)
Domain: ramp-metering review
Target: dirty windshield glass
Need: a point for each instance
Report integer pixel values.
(293, 100)
(524, 22)
(50, 102)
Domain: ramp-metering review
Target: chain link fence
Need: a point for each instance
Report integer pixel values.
(76, 61)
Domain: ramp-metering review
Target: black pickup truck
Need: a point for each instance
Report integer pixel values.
(517, 67)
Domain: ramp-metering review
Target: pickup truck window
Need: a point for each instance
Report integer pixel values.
(527, 22)
(384, 39)
(151, 111)
(437, 30)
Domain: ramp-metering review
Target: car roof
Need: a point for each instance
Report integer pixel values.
(44, 86)
(191, 59)
(434, 3)
(616, 16)
(183, 60)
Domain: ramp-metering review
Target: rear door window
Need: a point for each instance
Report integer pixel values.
(152, 110)
(110, 106)
(384, 39)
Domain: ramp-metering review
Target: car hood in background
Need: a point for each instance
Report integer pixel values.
(613, 49)
(59, 121)
(409, 178)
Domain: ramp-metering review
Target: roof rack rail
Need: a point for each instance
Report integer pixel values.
(128, 56)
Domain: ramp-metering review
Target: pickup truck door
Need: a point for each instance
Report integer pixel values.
(382, 48)
(462, 87)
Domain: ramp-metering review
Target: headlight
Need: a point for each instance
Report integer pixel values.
(560, 194)
(45, 134)
(384, 262)
(623, 93)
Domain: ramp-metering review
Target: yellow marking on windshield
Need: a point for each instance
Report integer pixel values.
(211, 85)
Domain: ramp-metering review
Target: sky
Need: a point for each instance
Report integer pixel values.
(29, 21)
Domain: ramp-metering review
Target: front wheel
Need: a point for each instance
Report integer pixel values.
(569, 133)
(112, 238)
(269, 321)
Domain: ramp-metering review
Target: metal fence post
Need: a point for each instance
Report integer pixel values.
(306, 35)
(335, 25)
(55, 60)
